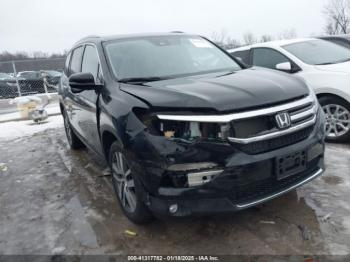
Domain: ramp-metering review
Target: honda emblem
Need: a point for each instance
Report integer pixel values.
(283, 120)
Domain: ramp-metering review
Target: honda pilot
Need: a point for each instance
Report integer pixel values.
(187, 129)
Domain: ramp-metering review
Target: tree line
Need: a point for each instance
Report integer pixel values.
(224, 40)
(336, 13)
(21, 55)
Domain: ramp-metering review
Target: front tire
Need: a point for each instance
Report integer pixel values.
(127, 188)
(337, 113)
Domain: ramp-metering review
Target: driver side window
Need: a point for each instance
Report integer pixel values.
(268, 58)
(91, 62)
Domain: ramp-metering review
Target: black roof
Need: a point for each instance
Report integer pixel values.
(346, 37)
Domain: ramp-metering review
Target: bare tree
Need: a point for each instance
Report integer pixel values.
(223, 40)
(39, 55)
(338, 17)
(219, 37)
(232, 43)
(266, 38)
(7, 56)
(287, 34)
(249, 38)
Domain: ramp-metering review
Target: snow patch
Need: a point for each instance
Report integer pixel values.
(16, 129)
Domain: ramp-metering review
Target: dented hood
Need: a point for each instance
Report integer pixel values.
(243, 89)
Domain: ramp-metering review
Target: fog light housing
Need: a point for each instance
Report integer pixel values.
(173, 208)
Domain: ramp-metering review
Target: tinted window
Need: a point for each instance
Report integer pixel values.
(166, 56)
(66, 64)
(268, 58)
(90, 61)
(341, 42)
(75, 65)
(244, 56)
(319, 52)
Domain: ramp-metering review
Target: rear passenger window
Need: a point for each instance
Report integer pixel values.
(75, 65)
(243, 56)
(90, 61)
(268, 58)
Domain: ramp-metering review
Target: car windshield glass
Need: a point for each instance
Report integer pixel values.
(319, 52)
(29, 75)
(53, 73)
(158, 57)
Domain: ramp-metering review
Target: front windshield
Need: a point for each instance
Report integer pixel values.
(319, 52)
(53, 73)
(29, 74)
(166, 56)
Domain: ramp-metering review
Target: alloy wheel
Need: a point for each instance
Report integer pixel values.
(337, 120)
(125, 183)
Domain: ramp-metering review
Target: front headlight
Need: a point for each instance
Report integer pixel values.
(314, 98)
(193, 131)
(190, 131)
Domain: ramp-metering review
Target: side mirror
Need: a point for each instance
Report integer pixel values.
(287, 67)
(82, 81)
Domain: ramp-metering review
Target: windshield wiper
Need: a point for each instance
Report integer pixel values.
(142, 79)
(229, 72)
(327, 63)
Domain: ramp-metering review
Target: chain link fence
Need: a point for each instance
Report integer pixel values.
(30, 77)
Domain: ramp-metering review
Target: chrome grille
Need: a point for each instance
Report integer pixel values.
(275, 143)
(302, 115)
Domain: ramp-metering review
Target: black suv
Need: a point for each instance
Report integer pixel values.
(343, 40)
(186, 128)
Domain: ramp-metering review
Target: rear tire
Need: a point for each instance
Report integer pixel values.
(73, 140)
(337, 113)
(127, 188)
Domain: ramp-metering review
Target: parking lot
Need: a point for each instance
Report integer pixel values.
(54, 200)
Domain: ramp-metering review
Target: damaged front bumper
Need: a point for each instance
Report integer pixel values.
(181, 179)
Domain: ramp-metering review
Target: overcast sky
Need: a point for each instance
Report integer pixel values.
(54, 25)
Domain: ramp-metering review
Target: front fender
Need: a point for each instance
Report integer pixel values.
(333, 91)
(116, 113)
(329, 83)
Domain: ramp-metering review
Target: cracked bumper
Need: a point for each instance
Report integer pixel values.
(246, 180)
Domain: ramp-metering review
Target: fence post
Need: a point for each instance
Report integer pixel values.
(15, 72)
(45, 83)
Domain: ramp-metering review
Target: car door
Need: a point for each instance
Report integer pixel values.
(87, 100)
(270, 58)
(72, 99)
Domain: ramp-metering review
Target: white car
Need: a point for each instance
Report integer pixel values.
(323, 65)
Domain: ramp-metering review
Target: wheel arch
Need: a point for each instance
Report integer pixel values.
(333, 92)
(108, 138)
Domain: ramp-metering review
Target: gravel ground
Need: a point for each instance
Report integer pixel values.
(57, 201)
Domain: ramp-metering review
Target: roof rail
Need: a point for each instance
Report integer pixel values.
(88, 37)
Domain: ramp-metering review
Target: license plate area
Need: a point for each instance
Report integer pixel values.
(290, 164)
